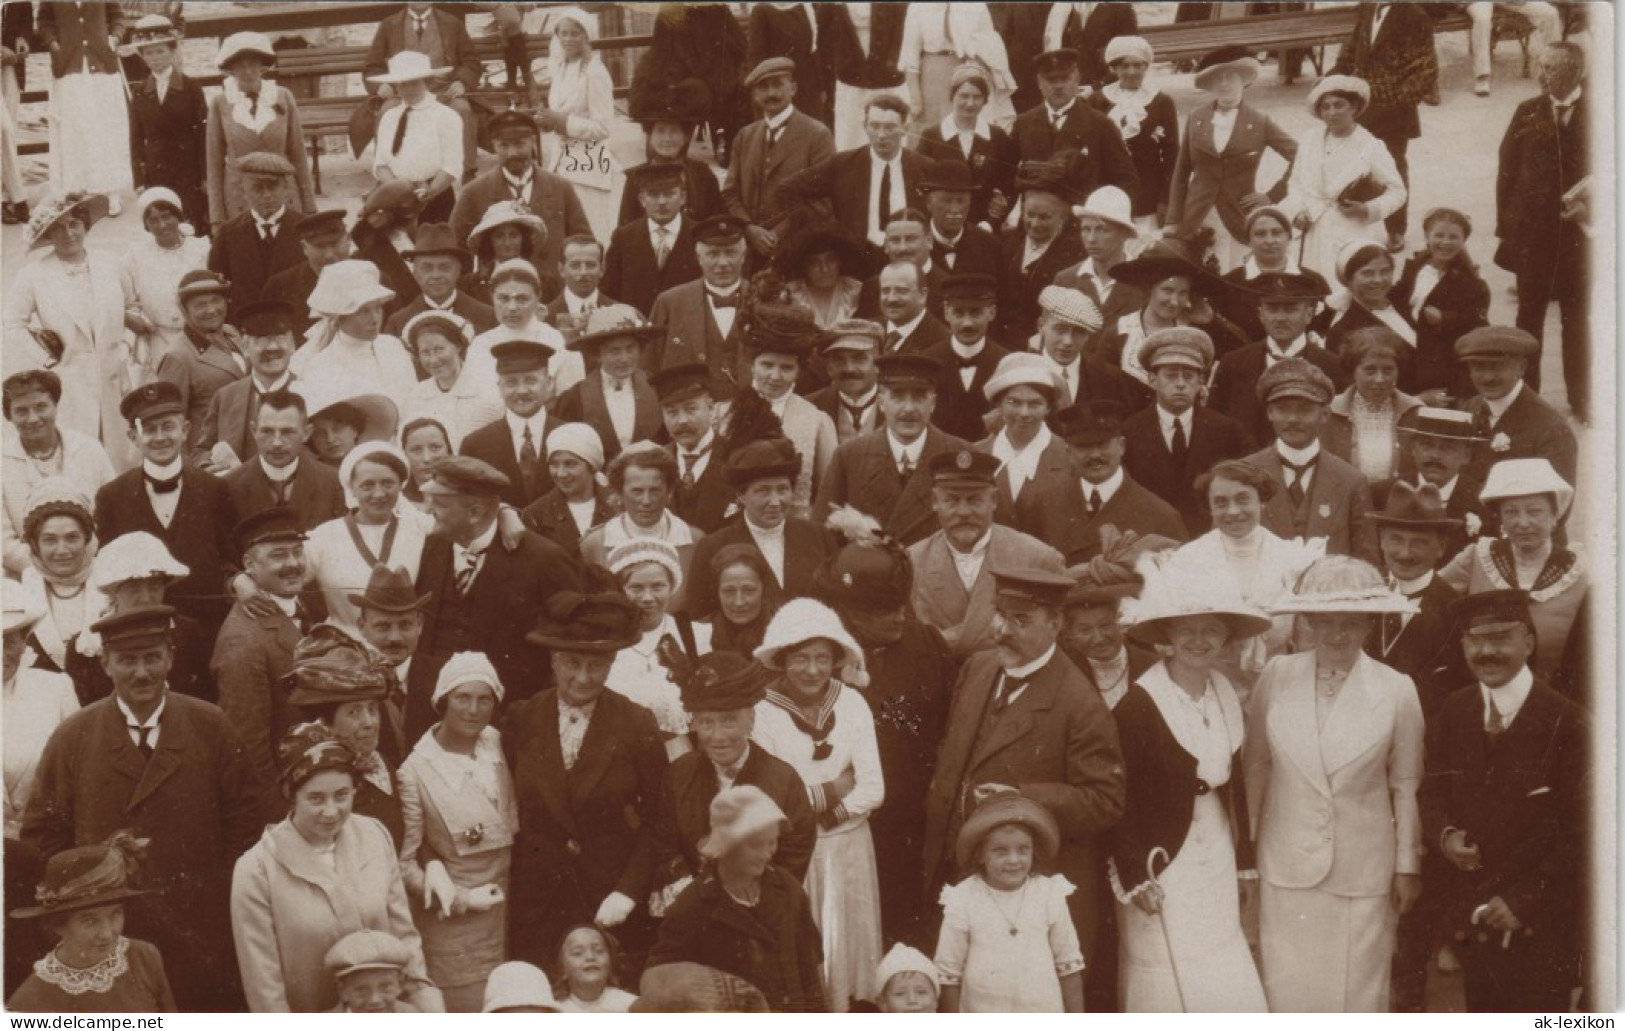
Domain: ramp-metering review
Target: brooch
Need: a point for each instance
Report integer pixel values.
(899, 713)
(1325, 511)
(474, 835)
(1474, 524)
(1502, 442)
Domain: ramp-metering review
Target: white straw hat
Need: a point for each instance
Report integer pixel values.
(1343, 584)
(408, 66)
(345, 287)
(801, 620)
(134, 556)
(1522, 477)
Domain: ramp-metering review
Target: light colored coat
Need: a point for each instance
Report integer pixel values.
(966, 617)
(288, 908)
(1335, 805)
(84, 463)
(89, 317)
(1313, 188)
(813, 434)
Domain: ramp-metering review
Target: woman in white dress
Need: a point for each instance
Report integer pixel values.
(1181, 730)
(34, 702)
(580, 117)
(1334, 759)
(152, 271)
(379, 529)
(649, 572)
(90, 114)
(439, 340)
(516, 298)
(346, 354)
(825, 730)
(781, 339)
(68, 307)
(61, 535)
(1344, 182)
(1260, 564)
(938, 38)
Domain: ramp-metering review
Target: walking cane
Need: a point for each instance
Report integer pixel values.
(1162, 920)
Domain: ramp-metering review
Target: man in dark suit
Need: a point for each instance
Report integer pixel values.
(516, 444)
(1286, 305)
(688, 411)
(1412, 532)
(167, 768)
(1065, 126)
(253, 652)
(885, 473)
(1067, 323)
(650, 255)
(389, 615)
(1436, 445)
(1171, 443)
(485, 600)
(268, 342)
(168, 120)
(701, 318)
(909, 326)
(762, 474)
(769, 151)
(586, 799)
(615, 399)
(1391, 48)
(1545, 153)
(957, 247)
(1071, 515)
(852, 399)
(442, 37)
(1046, 245)
(323, 240)
(908, 238)
(1318, 494)
(1069, 27)
(438, 262)
(1510, 419)
(517, 177)
(1023, 716)
(582, 270)
(1106, 225)
(257, 244)
(968, 357)
(861, 188)
(283, 473)
(172, 499)
(1506, 799)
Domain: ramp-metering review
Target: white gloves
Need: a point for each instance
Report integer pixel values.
(437, 888)
(614, 910)
(482, 898)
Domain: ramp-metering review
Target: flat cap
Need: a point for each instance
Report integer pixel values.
(270, 524)
(1070, 306)
(963, 467)
(719, 229)
(771, 66)
(1031, 587)
(973, 287)
(1492, 343)
(366, 950)
(265, 163)
(1489, 612)
(910, 369)
(135, 626)
(460, 475)
(680, 382)
(150, 400)
(521, 355)
(854, 335)
(1177, 345)
(1295, 377)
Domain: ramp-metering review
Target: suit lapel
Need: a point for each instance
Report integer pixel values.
(1292, 720)
(553, 780)
(1018, 719)
(173, 741)
(1354, 718)
(598, 749)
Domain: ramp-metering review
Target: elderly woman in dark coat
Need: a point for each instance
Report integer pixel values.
(587, 765)
(1445, 297)
(744, 915)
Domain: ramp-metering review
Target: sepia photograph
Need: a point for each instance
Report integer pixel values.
(897, 507)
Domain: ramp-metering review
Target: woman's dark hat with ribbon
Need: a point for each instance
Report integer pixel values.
(870, 571)
(88, 876)
(715, 682)
(602, 622)
(309, 749)
(331, 668)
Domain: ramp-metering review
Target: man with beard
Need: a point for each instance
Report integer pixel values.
(284, 475)
(518, 178)
(210, 360)
(851, 399)
(268, 342)
(323, 240)
(953, 579)
(1506, 800)
(885, 474)
(1025, 719)
(969, 356)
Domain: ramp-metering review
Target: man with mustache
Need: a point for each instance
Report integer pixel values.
(517, 177)
(953, 578)
(1505, 800)
(516, 444)
(852, 398)
(1072, 514)
(1437, 445)
(225, 436)
(969, 356)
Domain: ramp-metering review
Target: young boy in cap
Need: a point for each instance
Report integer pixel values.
(1175, 440)
(1512, 420)
(168, 120)
(850, 360)
(1286, 305)
(1068, 328)
(1506, 800)
(650, 255)
(324, 240)
(262, 241)
(172, 499)
(1324, 496)
(688, 412)
(884, 473)
(769, 151)
(615, 399)
(969, 357)
(514, 444)
(369, 972)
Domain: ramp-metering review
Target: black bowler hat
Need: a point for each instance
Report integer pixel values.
(267, 319)
(135, 626)
(150, 400)
(272, 524)
(963, 467)
(951, 176)
(912, 369)
(681, 382)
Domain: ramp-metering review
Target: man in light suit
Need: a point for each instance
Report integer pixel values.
(852, 399)
(1064, 125)
(209, 360)
(701, 317)
(1170, 443)
(1506, 801)
(257, 244)
(1072, 515)
(1025, 718)
(861, 188)
(953, 580)
(517, 177)
(969, 356)
(269, 331)
(886, 474)
(1319, 494)
(284, 474)
(769, 151)
(650, 255)
(1511, 420)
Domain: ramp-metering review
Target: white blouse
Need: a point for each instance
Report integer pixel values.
(853, 746)
(333, 563)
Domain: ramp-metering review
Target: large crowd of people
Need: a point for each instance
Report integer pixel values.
(941, 533)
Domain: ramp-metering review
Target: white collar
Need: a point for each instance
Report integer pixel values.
(536, 423)
(1297, 455)
(1292, 350)
(1027, 669)
(907, 329)
(450, 302)
(1040, 441)
(720, 291)
(270, 221)
(429, 100)
(864, 401)
(976, 550)
(1510, 696)
(899, 449)
(937, 237)
(1095, 272)
(289, 606)
(1572, 98)
(1499, 408)
(1227, 113)
(895, 164)
(282, 475)
(1445, 491)
(1108, 487)
(1253, 271)
(281, 382)
(162, 78)
(574, 304)
(1166, 419)
(704, 447)
(163, 472)
(1411, 588)
(673, 227)
(530, 175)
(779, 121)
(967, 350)
(950, 131)
(1051, 113)
(150, 721)
(479, 544)
(762, 531)
(1071, 366)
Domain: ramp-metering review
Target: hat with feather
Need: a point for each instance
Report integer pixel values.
(869, 571)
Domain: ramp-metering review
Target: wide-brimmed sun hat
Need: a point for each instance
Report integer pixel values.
(1526, 477)
(408, 66)
(86, 877)
(736, 814)
(800, 621)
(88, 207)
(239, 44)
(1168, 596)
(1007, 807)
(1342, 584)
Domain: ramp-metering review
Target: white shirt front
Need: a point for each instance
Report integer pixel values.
(724, 316)
(1378, 16)
(1069, 377)
(1499, 407)
(536, 424)
(865, 406)
(1020, 466)
(670, 229)
(903, 331)
(969, 563)
(1111, 678)
(134, 727)
(1410, 589)
(1224, 123)
(478, 547)
(163, 505)
(901, 452)
(279, 476)
(1107, 488)
(433, 142)
(160, 82)
(1427, 277)
(898, 202)
(519, 189)
(1274, 352)
(771, 545)
(580, 305)
(967, 373)
(622, 406)
(696, 466)
(581, 512)
(1026, 669)
(1103, 283)
(1167, 419)
(1508, 699)
(1298, 456)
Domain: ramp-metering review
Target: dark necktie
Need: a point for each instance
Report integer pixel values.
(283, 489)
(400, 131)
(517, 190)
(719, 301)
(1056, 120)
(690, 459)
(465, 575)
(773, 135)
(1181, 446)
(417, 29)
(158, 486)
(856, 414)
(1008, 686)
(884, 207)
(529, 464)
(905, 468)
(1295, 490)
(1564, 113)
(662, 246)
(253, 103)
(1496, 725)
(143, 742)
(1094, 501)
(893, 338)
